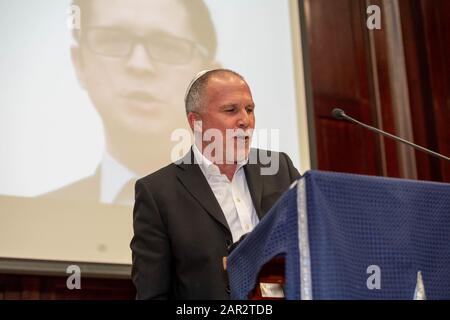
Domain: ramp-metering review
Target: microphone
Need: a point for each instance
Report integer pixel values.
(339, 114)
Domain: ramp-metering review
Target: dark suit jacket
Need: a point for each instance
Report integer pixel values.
(180, 231)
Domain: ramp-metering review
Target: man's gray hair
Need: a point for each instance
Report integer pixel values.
(195, 90)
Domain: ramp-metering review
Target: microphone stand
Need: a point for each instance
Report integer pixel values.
(340, 115)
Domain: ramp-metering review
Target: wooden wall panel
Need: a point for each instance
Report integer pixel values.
(34, 287)
(436, 17)
(383, 108)
(419, 87)
(426, 30)
(339, 76)
(350, 149)
(350, 69)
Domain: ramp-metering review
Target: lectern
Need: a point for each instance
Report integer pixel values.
(347, 236)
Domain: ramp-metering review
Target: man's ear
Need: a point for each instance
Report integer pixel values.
(77, 61)
(192, 118)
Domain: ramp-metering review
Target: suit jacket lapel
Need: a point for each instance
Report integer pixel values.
(255, 185)
(196, 184)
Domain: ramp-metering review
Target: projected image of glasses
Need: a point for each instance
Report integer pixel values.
(159, 46)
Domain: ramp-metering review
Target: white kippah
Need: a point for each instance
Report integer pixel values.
(197, 76)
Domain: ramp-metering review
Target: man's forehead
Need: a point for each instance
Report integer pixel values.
(170, 16)
(224, 80)
(228, 88)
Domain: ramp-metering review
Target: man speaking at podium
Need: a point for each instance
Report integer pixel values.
(188, 213)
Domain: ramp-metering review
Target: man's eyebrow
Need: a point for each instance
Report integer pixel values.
(234, 105)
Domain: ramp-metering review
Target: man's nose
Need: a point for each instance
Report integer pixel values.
(244, 120)
(139, 60)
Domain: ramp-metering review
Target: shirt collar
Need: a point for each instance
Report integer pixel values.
(114, 176)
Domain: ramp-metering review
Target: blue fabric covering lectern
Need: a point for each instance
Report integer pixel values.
(337, 231)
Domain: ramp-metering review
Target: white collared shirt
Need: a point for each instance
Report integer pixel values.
(234, 197)
(113, 177)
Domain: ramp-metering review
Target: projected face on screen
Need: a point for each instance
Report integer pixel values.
(135, 58)
(85, 112)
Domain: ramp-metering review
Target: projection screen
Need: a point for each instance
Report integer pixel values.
(92, 91)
